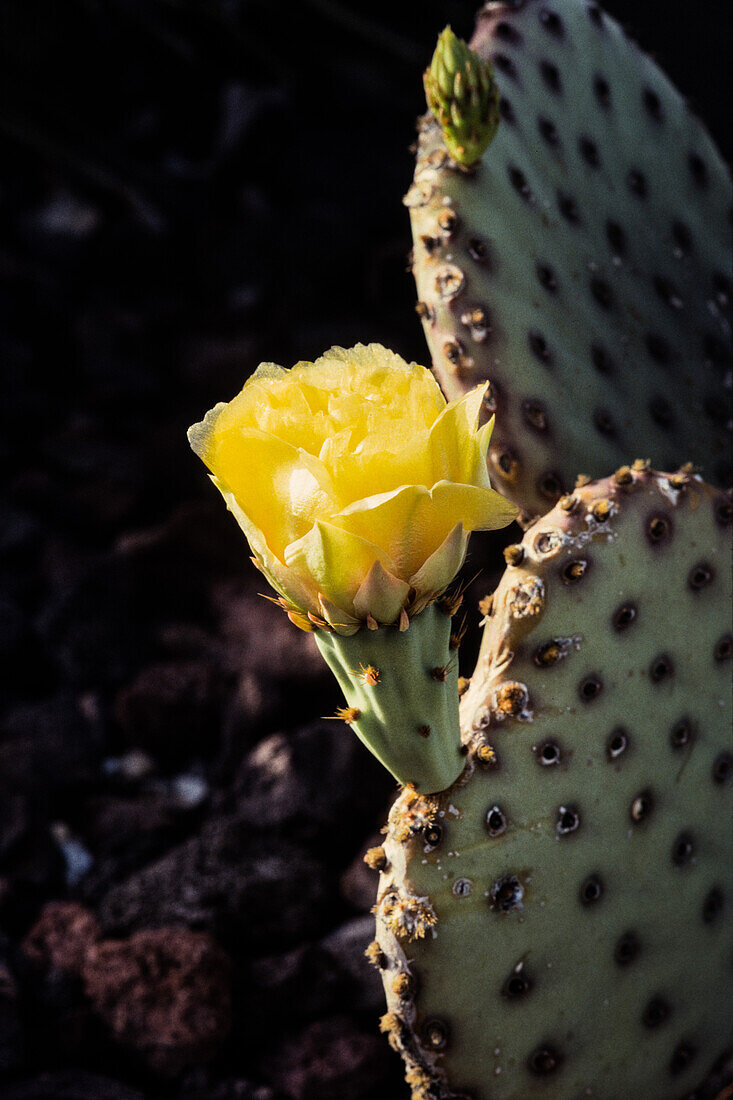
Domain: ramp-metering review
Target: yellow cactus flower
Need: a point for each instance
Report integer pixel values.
(355, 483)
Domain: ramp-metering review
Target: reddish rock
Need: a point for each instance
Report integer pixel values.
(61, 937)
(11, 1025)
(332, 1059)
(164, 994)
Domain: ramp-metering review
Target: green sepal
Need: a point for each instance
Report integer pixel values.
(462, 94)
(409, 718)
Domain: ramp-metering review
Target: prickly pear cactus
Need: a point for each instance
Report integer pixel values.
(582, 265)
(558, 922)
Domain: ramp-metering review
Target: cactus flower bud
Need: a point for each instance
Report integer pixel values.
(462, 94)
(355, 483)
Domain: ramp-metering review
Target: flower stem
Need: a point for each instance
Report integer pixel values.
(401, 690)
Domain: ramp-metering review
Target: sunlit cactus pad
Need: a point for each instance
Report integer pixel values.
(558, 923)
(583, 265)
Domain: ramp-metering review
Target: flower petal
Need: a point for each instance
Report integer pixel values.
(381, 595)
(478, 509)
(293, 587)
(199, 435)
(383, 461)
(453, 446)
(336, 617)
(483, 438)
(370, 368)
(258, 469)
(440, 568)
(410, 523)
(400, 521)
(337, 560)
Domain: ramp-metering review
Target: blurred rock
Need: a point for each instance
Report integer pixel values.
(71, 1084)
(99, 622)
(362, 986)
(259, 637)
(331, 1059)
(31, 865)
(358, 884)
(243, 886)
(15, 819)
(126, 831)
(20, 534)
(129, 769)
(314, 781)
(175, 562)
(49, 746)
(12, 1039)
(171, 710)
(253, 706)
(319, 978)
(199, 1086)
(181, 640)
(67, 215)
(95, 626)
(101, 469)
(14, 632)
(125, 834)
(61, 937)
(164, 994)
(53, 955)
(299, 984)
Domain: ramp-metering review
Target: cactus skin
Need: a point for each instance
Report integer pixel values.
(583, 267)
(578, 874)
(401, 689)
(462, 94)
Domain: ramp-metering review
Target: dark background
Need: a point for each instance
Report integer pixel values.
(186, 189)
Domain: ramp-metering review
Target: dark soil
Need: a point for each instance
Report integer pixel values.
(189, 188)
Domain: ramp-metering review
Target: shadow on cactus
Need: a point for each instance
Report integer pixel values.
(554, 907)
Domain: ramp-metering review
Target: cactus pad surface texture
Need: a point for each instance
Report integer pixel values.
(583, 264)
(558, 922)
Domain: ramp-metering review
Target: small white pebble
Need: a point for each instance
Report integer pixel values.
(132, 766)
(189, 790)
(77, 857)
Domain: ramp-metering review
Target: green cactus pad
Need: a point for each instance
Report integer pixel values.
(583, 267)
(401, 689)
(558, 923)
